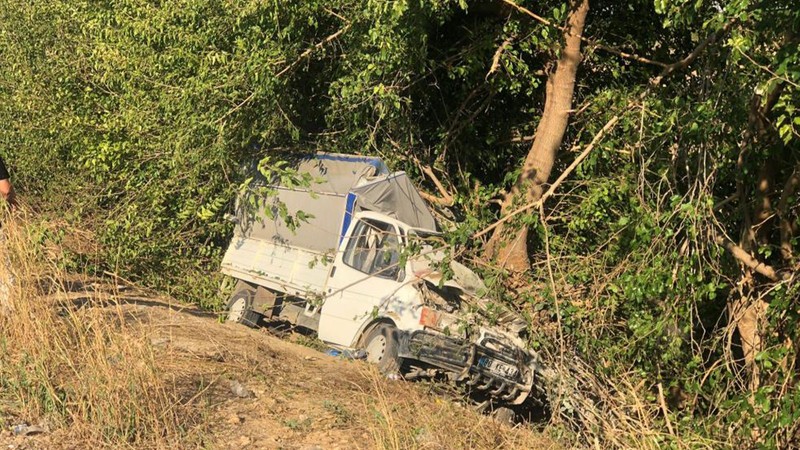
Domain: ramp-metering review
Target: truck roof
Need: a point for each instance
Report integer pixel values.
(335, 173)
(341, 186)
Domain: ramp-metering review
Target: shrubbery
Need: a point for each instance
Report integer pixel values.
(128, 122)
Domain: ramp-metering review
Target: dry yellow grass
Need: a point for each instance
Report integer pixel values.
(72, 367)
(397, 420)
(112, 369)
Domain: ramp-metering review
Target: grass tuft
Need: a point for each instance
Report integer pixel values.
(71, 366)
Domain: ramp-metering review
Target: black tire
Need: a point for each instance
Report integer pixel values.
(240, 306)
(382, 343)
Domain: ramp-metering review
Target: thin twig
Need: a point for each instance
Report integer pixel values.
(766, 69)
(694, 54)
(608, 127)
(236, 108)
(289, 67)
(309, 50)
(591, 42)
(664, 409)
(556, 302)
(613, 121)
(625, 55)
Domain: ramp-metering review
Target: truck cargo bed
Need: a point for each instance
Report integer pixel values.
(292, 270)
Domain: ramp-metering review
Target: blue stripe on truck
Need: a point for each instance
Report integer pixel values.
(350, 204)
(377, 163)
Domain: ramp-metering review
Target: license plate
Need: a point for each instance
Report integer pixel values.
(497, 367)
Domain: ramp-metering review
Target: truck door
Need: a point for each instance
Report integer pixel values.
(363, 281)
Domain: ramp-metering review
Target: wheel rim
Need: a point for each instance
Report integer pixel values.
(236, 311)
(376, 349)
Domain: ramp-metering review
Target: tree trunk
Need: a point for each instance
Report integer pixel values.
(791, 186)
(511, 248)
(750, 318)
(749, 315)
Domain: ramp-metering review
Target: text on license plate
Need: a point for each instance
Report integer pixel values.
(498, 367)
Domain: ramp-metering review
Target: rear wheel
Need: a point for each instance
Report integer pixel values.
(382, 344)
(240, 306)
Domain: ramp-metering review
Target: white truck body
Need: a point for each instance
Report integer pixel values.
(343, 270)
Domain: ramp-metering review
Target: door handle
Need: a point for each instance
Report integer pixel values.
(333, 272)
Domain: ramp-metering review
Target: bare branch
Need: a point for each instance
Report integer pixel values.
(625, 55)
(447, 197)
(497, 54)
(725, 201)
(530, 13)
(694, 54)
(748, 260)
(310, 50)
(597, 137)
(434, 199)
(664, 409)
(591, 42)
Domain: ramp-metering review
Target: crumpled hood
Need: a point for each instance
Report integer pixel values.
(473, 291)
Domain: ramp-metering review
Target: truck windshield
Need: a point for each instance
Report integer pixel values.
(374, 248)
(426, 248)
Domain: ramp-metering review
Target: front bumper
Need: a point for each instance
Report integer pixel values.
(490, 364)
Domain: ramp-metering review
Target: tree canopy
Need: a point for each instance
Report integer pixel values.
(665, 258)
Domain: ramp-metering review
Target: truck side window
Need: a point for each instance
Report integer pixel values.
(374, 248)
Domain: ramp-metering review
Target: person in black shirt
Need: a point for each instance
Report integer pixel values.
(6, 190)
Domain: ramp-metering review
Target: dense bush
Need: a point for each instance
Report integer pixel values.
(129, 120)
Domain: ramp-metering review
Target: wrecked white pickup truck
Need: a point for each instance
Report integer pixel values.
(345, 271)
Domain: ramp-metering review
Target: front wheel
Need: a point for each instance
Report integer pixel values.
(382, 344)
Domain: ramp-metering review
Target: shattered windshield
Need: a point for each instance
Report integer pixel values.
(374, 249)
(426, 251)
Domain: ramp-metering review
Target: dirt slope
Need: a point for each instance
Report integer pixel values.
(252, 390)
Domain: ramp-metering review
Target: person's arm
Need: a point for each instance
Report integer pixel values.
(7, 191)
